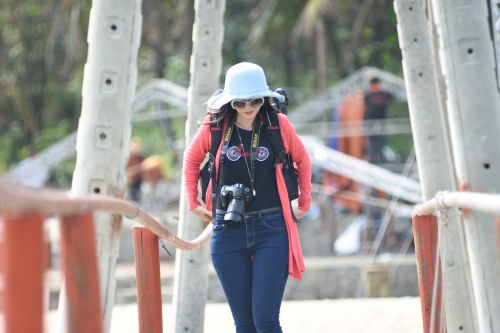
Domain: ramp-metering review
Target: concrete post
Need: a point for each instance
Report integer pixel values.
(191, 271)
(468, 63)
(104, 129)
(434, 159)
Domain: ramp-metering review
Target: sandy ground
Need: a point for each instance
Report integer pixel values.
(376, 315)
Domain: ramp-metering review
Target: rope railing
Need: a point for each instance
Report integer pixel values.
(18, 199)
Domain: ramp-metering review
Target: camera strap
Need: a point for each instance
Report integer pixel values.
(254, 145)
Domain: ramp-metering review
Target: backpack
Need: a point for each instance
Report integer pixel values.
(290, 175)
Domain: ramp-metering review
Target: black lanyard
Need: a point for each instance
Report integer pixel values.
(254, 145)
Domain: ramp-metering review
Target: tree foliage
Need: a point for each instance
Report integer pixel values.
(306, 45)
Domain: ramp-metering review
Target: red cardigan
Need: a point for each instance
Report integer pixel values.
(200, 146)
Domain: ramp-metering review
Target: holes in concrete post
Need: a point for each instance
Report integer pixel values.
(461, 328)
(97, 186)
(101, 137)
(420, 74)
(471, 50)
(415, 39)
(206, 62)
(410, 8)
(114, 25)
(486, 165)
(108, 82)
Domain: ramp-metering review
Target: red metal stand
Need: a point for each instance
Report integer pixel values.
(23, 266)
(147, 265)
(79, 265)
(425, 233)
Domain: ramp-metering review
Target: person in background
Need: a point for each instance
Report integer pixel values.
(134, 172)
(252, 257)
(376, 104)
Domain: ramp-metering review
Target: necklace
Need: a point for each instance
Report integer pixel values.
(243, 127)
(243, 152)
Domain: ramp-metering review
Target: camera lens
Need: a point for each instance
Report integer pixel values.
(234, 215)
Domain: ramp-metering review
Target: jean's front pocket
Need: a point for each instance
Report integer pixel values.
(273, 221)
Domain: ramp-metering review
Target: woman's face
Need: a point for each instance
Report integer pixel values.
(247, 109)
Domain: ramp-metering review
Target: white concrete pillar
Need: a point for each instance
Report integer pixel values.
(191, 268)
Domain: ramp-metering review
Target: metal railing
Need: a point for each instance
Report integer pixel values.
(427, 233)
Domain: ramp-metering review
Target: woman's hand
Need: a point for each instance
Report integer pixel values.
(299, 213)
(202, 213)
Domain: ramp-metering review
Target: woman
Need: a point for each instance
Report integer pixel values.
(255, 244)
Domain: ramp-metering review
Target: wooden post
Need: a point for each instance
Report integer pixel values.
(24, 265)
(147, 271)
(79, 266)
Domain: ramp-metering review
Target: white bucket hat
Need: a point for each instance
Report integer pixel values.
(243, 81)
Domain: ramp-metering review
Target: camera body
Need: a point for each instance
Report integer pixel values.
(235, 198)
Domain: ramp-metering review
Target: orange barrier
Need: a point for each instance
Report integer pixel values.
(23, 268)
(351, 110)
(1, 261)
(425, 233)
(79, 266)
(147, 265)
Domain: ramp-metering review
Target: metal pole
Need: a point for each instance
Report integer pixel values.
(104, 128)
(468, 63)
(434, 159)
(191, 272)
(23, 272)
(147, 272)
(79, 266)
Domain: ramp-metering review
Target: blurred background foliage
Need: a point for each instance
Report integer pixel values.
(304, 45)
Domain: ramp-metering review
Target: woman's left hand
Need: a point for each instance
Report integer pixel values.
(299, 213)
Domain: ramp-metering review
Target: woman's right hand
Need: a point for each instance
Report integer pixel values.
(202, 213)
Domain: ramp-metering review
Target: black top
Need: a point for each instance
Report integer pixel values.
(236, 171)
(376, 104)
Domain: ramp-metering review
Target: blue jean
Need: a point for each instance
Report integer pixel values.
(252, 265)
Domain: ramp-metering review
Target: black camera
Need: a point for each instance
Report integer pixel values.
(235, 198)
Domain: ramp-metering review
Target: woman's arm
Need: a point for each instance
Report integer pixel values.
(296, 149)
(193, 157)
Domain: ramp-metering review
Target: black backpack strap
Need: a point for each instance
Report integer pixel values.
(289, 172)
(216, 137)
(274, 135)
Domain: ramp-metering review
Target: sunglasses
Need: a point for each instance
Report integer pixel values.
(254, 103)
